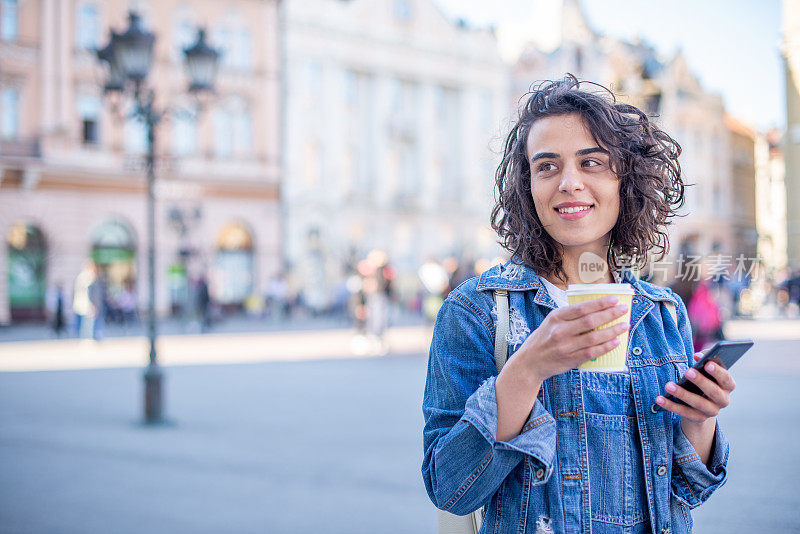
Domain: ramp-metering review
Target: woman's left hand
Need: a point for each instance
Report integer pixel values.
(701, 408)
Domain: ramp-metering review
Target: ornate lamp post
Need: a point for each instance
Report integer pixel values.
(129, 58)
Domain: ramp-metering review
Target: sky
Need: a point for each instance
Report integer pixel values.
(732, 46)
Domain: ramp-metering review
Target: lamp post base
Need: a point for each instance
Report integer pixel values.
(153, 413)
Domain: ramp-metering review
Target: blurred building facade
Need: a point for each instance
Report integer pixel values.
(771, 200)
(742, 141)
(72, 185)
(391, 113)
(717, 158)
(791, 148)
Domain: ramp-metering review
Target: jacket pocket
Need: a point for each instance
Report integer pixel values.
(616, 470)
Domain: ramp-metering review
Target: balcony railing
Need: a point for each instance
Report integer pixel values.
(21, 148)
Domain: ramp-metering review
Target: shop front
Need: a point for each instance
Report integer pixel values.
(27, 272)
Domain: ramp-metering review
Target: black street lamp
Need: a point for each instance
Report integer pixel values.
(129, 58)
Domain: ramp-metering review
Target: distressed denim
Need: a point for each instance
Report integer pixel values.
(595, 455)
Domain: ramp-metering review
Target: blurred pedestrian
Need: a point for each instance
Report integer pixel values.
(203, 303)
(435, 281)
(705, 316)
(98, 295)
(278, 296)
(82, 304)
(792, 288)
(126, 303)
(56, 307)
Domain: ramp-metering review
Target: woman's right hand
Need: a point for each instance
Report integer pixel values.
(566, 338)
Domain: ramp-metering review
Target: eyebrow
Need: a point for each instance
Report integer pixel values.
(581, 152)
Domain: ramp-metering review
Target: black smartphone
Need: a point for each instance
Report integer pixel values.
(724, 353)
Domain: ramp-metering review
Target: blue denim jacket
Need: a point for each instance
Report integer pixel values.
(594, 448)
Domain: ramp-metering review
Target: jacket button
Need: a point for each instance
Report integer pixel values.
(662, 470)
(654, 408)
(637, 350)
(635, 301)
(540, 474)
(665, 530)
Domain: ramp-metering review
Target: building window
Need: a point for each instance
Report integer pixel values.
(220, 39)
(89, 112)
(312, 164)
(408, 173)
(183, 35)
(350, 88)
(313, 78)
(87, 27)
(9, 20)
(233, 129)
(10, 121)
(402, 11)
(90, 134)
(223, 124)
(184, 134)
(235, 42)
(135, 136)
(348, 170)
(448, 140)
(242, 50)
(242, 133)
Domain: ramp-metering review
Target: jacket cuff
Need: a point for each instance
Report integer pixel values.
(693, 482)
(537, 439)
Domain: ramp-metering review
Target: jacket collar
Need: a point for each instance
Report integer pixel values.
(516, 277)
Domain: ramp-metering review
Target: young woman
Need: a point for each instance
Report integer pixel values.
(542, 446)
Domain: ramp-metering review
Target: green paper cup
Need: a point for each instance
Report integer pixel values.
(613, 360)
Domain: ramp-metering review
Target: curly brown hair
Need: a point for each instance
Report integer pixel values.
(643, 157)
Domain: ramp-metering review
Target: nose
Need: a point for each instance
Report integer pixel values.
(571, 180)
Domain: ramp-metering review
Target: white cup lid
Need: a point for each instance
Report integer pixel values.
(592, 289)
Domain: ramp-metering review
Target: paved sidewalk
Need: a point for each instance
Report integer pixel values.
(231, 324)
(300, 432)
(209, 349)
(323, 446)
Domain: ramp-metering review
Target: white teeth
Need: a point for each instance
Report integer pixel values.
(573, 210)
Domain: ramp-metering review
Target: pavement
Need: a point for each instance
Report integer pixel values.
(303, 431)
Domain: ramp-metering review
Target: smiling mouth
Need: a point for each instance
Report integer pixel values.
(575, 209)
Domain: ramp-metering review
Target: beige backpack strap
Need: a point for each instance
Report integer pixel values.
(471, 523)
(500, 334)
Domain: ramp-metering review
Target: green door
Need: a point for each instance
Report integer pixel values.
(27, 253)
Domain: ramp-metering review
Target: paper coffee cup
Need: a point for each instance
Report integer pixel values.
(613, 360)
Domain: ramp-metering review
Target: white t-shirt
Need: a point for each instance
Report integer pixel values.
(560, 297)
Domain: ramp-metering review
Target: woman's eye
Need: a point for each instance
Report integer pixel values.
(591, 163)
(546, 167)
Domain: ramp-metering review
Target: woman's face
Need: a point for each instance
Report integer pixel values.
(575, 192)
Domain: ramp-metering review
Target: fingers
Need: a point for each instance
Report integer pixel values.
(709, 388)
(681, 409)
(699, 355)
(721, 375)
(599, 336)
(706, 406)
(575, 311)
(592, 320)
(593, 351)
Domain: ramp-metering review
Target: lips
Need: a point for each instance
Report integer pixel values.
(572, 211)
